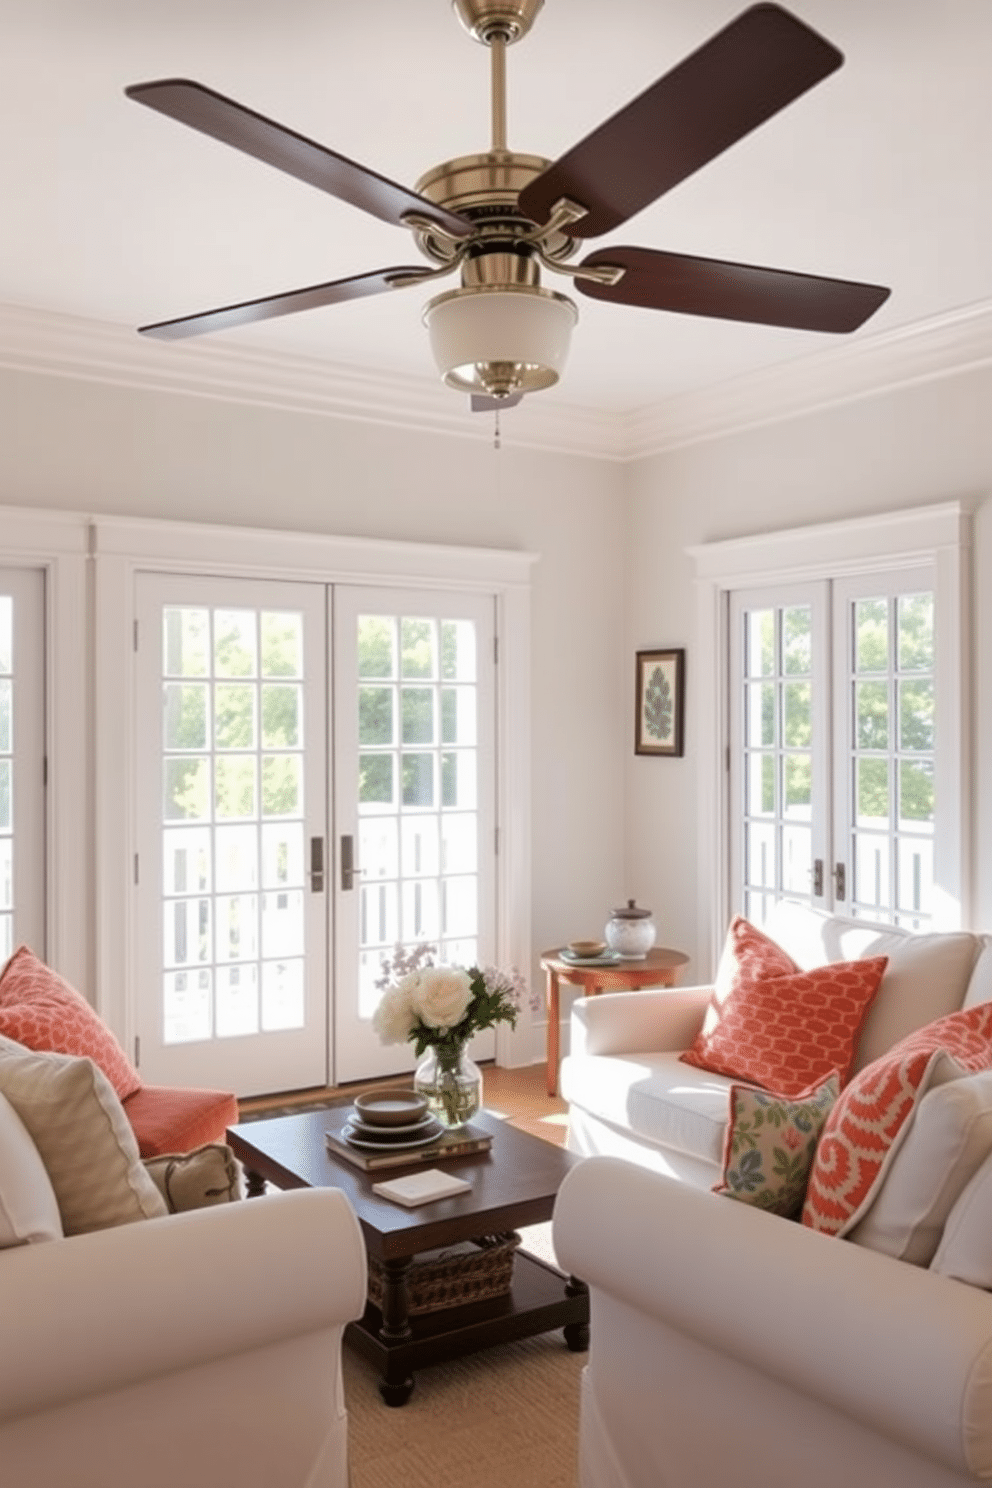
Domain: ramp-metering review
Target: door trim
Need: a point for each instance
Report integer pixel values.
(940, 535)
(123, 547)
(57, 543)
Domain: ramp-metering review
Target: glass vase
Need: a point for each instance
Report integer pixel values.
(451, 1082)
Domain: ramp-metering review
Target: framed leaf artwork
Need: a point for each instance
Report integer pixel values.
(660, 701)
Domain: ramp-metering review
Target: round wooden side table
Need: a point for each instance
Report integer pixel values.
(659, 968)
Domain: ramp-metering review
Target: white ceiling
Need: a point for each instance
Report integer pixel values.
(117, 215)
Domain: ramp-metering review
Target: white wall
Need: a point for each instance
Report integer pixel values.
(613, 575)
(103, 449)
(918, 446)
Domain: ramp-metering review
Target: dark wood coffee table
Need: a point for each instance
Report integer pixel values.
(513, 1184)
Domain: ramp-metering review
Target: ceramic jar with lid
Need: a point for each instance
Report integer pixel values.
(631, 931)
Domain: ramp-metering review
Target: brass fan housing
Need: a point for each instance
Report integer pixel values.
(485, 188)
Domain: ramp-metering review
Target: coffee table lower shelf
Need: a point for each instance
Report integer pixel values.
(540, 1299)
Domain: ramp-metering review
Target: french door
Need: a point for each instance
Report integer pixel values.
(255, 818)
(833, 746)
(22, 761)
(414, 799)
(231, 792)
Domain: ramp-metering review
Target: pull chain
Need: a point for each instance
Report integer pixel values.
(496, 437)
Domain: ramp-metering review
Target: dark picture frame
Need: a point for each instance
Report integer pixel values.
(659, 695)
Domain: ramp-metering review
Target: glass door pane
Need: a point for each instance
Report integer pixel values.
(241, 762)
(414, 798)
(886, 753)
(778, 731)
(22, 762)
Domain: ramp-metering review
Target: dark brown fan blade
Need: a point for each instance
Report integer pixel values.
(759, 63)
(313, 298)
(482, 404)
(731, 291)
(233, 124)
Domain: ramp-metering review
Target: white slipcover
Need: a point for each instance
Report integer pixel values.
(732, 1346)
(201, 1349)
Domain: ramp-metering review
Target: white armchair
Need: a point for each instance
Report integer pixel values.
(732, 1346)
(200, 1348)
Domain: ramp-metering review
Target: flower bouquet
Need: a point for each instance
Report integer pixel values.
(438, 1009)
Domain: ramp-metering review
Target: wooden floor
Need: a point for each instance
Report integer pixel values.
(518, 1094)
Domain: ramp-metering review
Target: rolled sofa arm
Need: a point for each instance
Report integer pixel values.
(890, 1345)
(108, 1309)
(658, 1019)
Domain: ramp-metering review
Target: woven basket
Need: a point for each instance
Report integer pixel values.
(474, 1271)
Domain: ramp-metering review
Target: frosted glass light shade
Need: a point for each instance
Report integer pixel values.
(498, 341)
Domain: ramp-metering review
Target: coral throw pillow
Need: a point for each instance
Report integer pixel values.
(770, 1145)
(872, 1116)
(776, 1026)
(41, 1011)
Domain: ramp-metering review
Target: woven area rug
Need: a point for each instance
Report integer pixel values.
(503, 1418)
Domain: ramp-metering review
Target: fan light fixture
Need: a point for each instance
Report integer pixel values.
(497, 341)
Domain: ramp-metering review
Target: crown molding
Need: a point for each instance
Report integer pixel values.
(53, 344)
(944, 346)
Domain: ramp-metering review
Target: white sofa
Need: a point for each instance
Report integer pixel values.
(731, 1345)
(200, 1348)
(728, 1345)
(630, 1095)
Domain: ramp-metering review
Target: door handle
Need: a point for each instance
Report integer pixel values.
(349, 872)
(818, 878)
(840, 881)
(316, 865)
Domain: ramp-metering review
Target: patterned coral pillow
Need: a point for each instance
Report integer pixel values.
(776, 1026)
(41, 1011)
(770, 1145)
(872, 1116)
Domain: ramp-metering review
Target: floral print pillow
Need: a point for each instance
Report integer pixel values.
(771, 1143)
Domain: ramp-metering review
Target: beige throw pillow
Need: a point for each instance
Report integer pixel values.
(76, 1121)
(948, 1140)
(964, 1251)
(194, 1180)
(29, 1211)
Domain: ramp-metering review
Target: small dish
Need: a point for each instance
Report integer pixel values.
(397, 1107)
(408, 1143)
(586, 948)
(380, 1133)
(605, 958)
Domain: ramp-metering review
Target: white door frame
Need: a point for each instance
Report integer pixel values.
(124, 547)
(57, 544)
(940, 535)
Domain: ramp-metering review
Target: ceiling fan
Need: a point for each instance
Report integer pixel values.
(501, 217)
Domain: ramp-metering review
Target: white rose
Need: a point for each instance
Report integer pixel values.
(395, 1016)
(442, 996)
